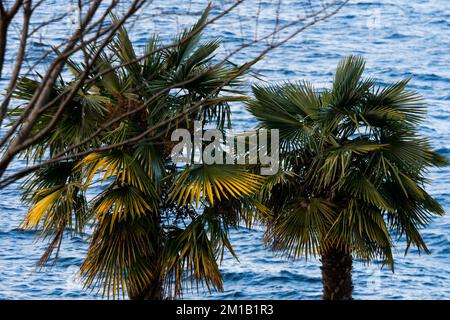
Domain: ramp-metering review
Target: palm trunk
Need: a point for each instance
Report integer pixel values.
(152, 292)
(337, 275)
(154, 289)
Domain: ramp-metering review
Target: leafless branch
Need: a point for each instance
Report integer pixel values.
(19, 137)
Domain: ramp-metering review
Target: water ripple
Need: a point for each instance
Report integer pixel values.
(399, 38)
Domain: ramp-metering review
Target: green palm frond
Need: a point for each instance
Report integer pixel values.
(362, 229)
(273, 109)
(238, 212)
(150, 159)
(218, 228)
(95, 103)
(187, 40)
(348, 74)
(281, 178)
(395, 102)
(49, 176)
(203, 54)
(359, 186)
(349, 88)
(288, 108)
(25, 88)
(110, 80)
(123, 49)
(152, 66)
(305, 97)
(363, 155)
(302, 227)
(413, 152)
(415, 209)
(337, 160)
(348, 84)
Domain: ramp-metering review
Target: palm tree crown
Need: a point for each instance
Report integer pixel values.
(354, 167)
(156, 227)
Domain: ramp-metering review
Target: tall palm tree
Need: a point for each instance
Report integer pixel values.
(353, 171)
(156, 227)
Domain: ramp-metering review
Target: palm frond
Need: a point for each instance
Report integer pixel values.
(274, 109)
(117, 260)
(117, 165)
(190, 258)
(187, 40)
(301, 229)
(120, 203)
(361, 151)
(213, 183)
(397, 102)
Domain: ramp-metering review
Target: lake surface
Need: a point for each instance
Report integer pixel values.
(398, 38)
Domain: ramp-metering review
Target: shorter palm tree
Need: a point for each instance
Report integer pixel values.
(354, 171)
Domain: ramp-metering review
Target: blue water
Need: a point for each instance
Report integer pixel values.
(398, 38)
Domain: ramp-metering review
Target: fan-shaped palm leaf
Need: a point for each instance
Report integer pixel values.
(213, 182)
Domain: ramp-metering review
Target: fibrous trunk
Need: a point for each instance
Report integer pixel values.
(154, 289)
(152, 292)
(337, 275)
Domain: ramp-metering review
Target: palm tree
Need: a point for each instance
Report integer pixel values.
(156, 227)
(354, 171)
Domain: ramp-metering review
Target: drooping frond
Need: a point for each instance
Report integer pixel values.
(56, 198)
(56, 210)
(302, 227)
(190, 257)
(117, 259)
(360, 187)
(362, 229)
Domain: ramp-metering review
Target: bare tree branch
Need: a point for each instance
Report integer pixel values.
(21, 140)
(100, 32)
(19, 60)
(5, 19)
(43, 93)
(86, 82)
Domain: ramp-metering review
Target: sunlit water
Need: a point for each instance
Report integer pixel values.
(399, 39)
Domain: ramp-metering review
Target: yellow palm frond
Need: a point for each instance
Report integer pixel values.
(55, 206)
(214, 182)
(119, 166)
(41, 207)
(121, 202)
